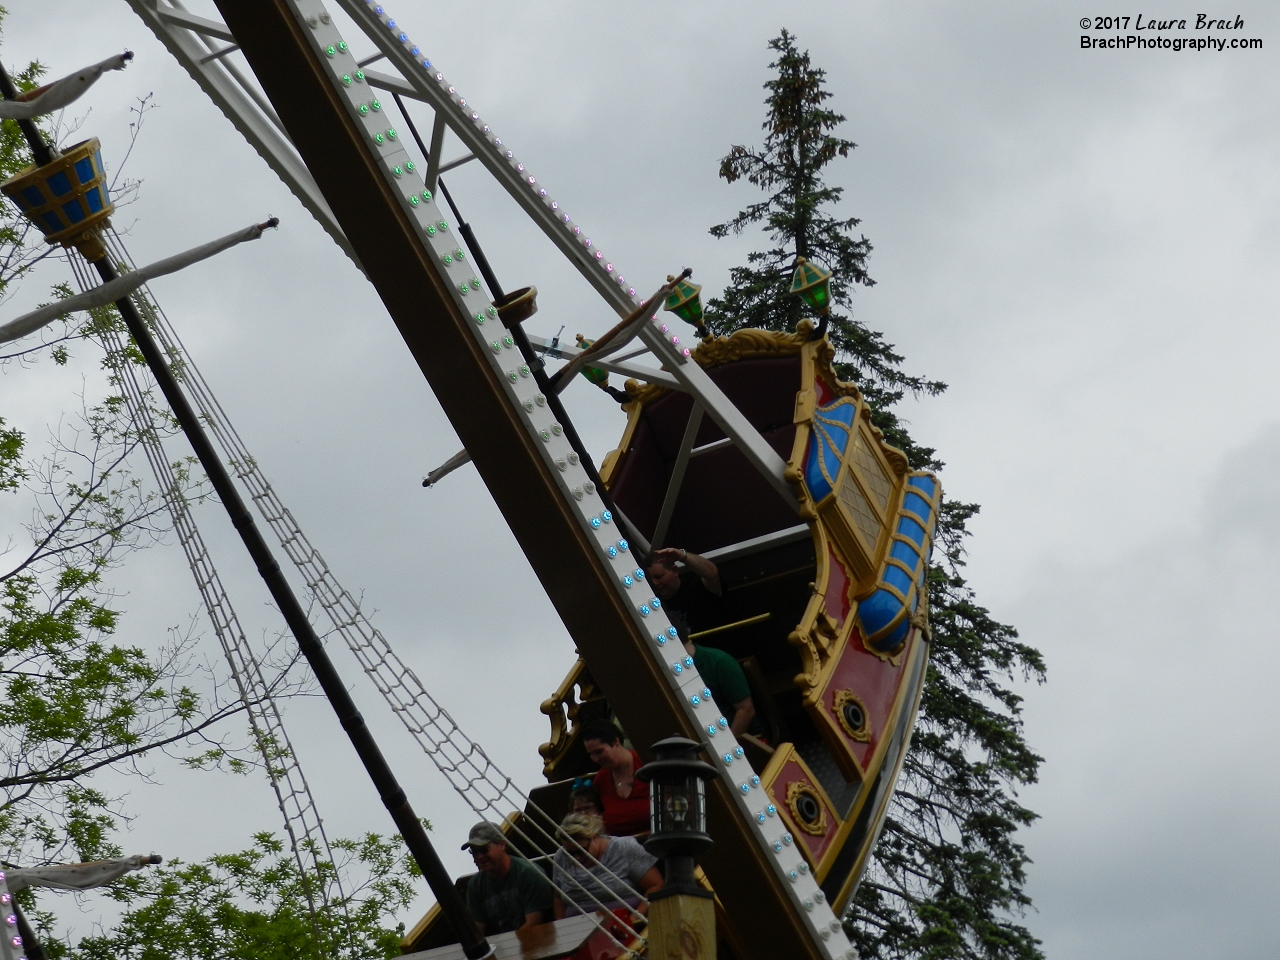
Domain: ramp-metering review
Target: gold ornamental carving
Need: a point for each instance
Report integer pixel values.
(848, 708)
(801, 796)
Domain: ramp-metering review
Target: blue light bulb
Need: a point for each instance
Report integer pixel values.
(622, 545)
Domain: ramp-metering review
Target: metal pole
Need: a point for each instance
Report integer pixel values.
(393, 796)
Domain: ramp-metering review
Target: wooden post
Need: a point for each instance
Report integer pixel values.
(682, 927)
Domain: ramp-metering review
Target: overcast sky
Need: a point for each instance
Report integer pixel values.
(1082, 244)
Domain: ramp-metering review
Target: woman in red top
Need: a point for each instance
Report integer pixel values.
(624, 798)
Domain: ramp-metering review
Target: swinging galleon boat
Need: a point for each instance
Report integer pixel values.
(825, 598)
(828, 616)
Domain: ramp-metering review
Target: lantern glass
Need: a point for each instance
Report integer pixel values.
(811, 283)
(685, 301)
(678, 807)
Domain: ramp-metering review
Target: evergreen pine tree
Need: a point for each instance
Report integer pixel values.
(947, 878)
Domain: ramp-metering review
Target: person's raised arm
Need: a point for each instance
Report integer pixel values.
(700, 565)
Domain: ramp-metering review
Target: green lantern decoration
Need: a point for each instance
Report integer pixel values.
(594, 374)
(811, 283)
(685, 301)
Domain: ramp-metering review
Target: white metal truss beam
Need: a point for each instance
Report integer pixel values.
(187, 37)
(677, 475)
(618, 365)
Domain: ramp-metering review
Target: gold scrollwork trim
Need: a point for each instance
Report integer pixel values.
(797, 789)
(843, 698)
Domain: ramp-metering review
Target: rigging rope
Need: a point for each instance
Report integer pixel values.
(302, 822)
(463, 762)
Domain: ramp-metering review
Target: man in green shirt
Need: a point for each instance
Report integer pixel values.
(508, 893)
(725, 679)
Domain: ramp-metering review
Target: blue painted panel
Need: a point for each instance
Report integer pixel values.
(909, 528)
(903, 552)
(877, 611)
(59, 184)
(94, 199)
(882, 617)
(894, 640)
(33, 196)
(897, 577)
(84, 171)
(97, 162)
(73, 210)
(827, 440)
(51, 222)
(914, 503)
(927, 484)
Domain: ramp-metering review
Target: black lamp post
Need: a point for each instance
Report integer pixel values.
(678, 812)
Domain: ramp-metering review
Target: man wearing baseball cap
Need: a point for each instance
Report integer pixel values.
(508, 892)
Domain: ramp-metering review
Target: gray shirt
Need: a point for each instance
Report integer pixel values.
(623, 857)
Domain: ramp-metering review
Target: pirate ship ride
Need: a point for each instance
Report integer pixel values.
(746, 449)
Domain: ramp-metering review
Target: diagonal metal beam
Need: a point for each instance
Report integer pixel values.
(677, 475)
(183, 34)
